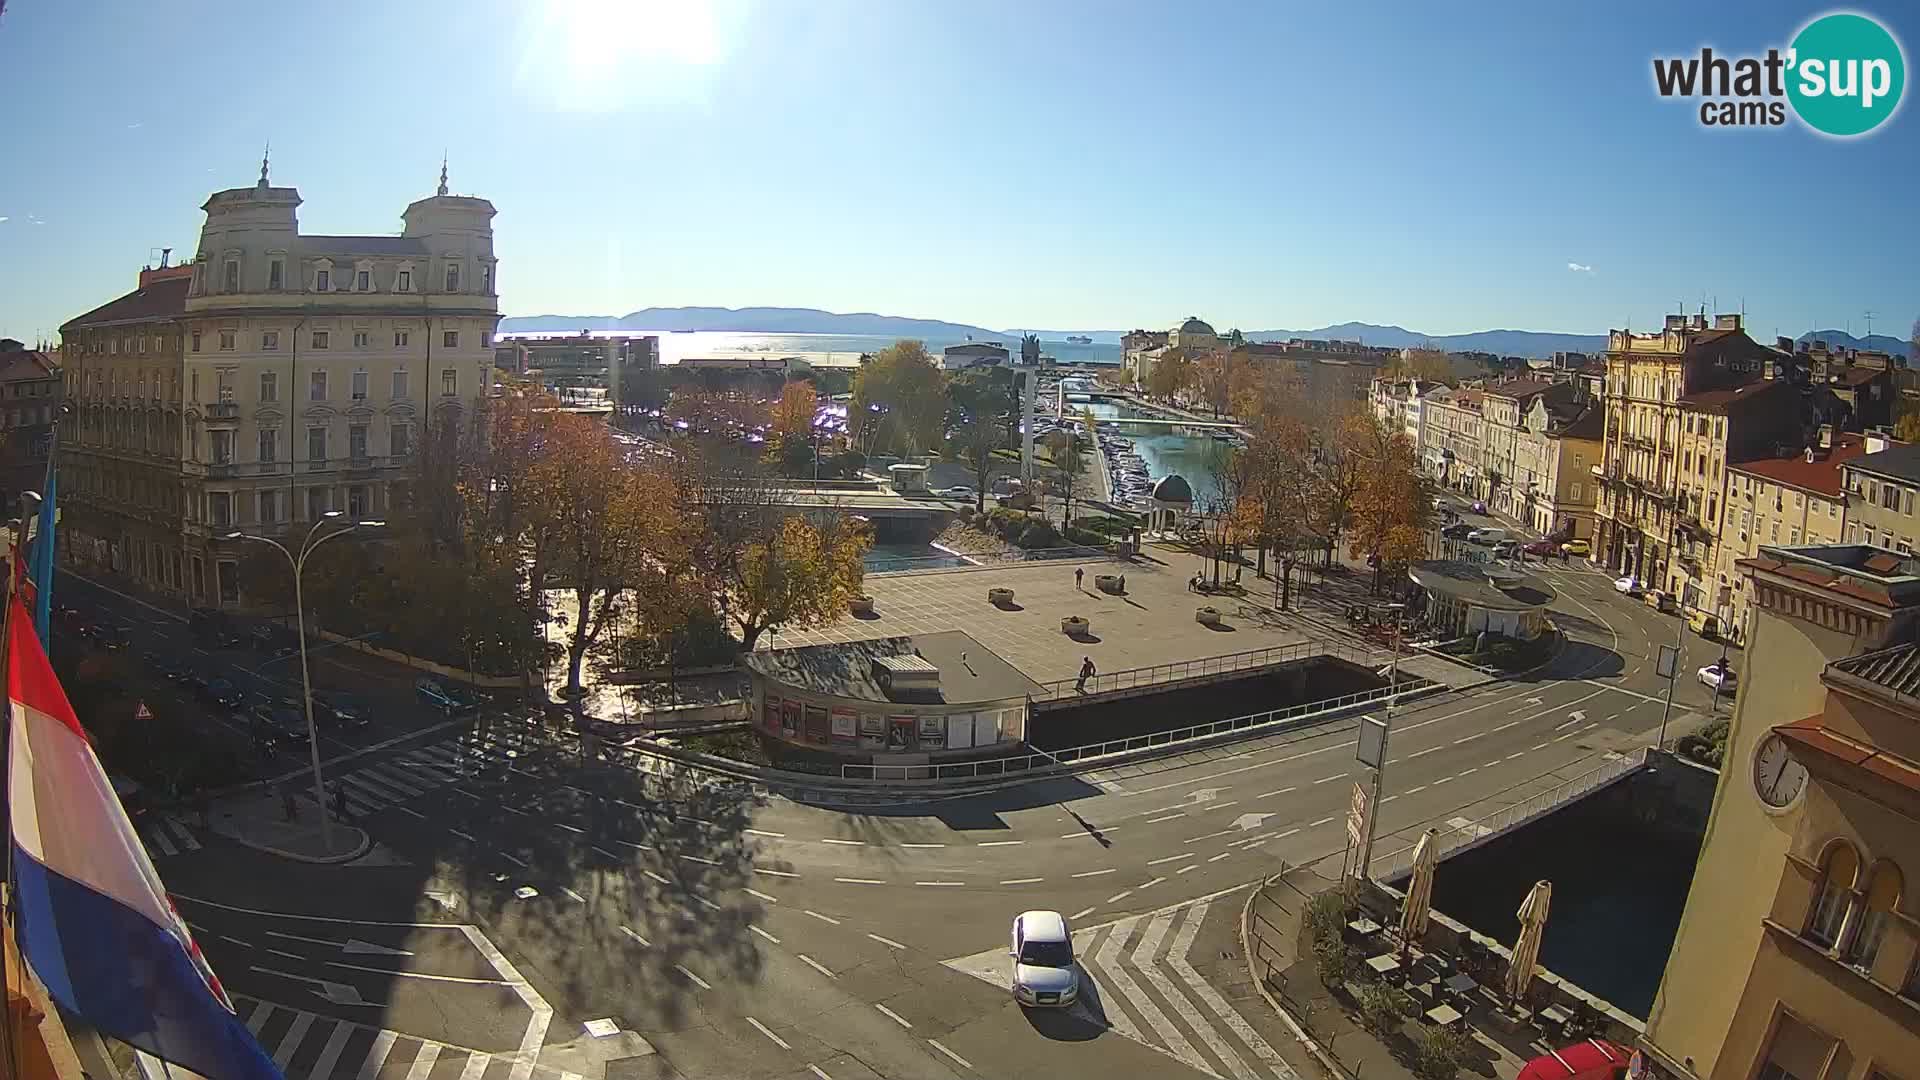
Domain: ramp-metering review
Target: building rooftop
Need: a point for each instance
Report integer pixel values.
(1896, 462)
(1519, 389)
(1730, 397)
(1482, 584)
(969, 672)
(363, 245)
(1895, 669)
(1871, 575)
(1820, 476)
(165, 298)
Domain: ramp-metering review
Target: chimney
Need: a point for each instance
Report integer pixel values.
(166, 253)
(1826, 436)
(1876, 442)
(1784, 344)
(1727, 322)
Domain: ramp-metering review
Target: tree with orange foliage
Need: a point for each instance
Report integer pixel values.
(1214, 375)
(1390, 503)
(793, 414)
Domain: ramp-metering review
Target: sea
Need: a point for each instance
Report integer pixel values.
(837, 350)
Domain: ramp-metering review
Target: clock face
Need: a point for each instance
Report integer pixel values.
(1777, 778)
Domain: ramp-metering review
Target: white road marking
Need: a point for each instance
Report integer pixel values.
(1282, 791)
(763, 832)
(464, 836)
(922, 845)
(816, 965)
(815, 1070)
(1170, 858)
(894, 1016)
(1388, 799)
(1143, 958)
(1119, 896)
(569, 828)
(1416, 790)
(706, 903)
(423, 1061)
(940, 884)
(1515, 754)
(695, 979)
(1090, 832)
(1442, 780)
(635, 935)
(1330, 779)
(1284, 835)
(291, 1040)
(377, 1054)
(1538, 746)
(1319, 823)
(1469, 772)
(758, 895)
(774, 873)
(574, 896)
(1428, 750)
(859, 881)
(1096, 873)
(999, 843)
(825, 918)
(657, 877)
(1469, 738)
(280, 952)
(1220, 856)
(1150, 884)
(763, 934)
(845, 843)
(1166, 817)
(514, 859)
(476, 1066)
(1184, 869)
(1504, 727)
(1082, 913)
(888, 942)
(764, 1030)
(964, 1063)
(606, 853)
(1023, 881)
(701, 861)
(631, 844)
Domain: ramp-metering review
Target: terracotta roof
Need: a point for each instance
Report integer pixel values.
(1519, 389)
(1821, 476)
(1810, 737)
(1590, 424)
(165, 299)
(1719, 401)
(1871, 575)
(18, 365)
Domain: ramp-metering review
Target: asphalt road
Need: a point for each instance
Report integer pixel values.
(748, 936)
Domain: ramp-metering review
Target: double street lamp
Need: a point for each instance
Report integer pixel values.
(314, 539)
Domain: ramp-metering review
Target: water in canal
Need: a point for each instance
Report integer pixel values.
(1163, 453)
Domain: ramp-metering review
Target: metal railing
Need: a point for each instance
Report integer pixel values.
(959, 561)
(1394, 863)
(1181, 670)
(1252, 724)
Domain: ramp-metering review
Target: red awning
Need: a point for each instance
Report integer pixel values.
(1595, 1059)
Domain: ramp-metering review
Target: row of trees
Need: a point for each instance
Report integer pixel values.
(528, 517)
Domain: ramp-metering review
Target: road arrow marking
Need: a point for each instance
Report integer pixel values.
(338, 993)
(358, 947)
(1536, 701)
(1205, 794)
(1249, 822)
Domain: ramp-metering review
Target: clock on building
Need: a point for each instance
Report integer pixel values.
(1777, 777)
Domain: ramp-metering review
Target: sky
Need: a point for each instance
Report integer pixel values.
(1070, 164)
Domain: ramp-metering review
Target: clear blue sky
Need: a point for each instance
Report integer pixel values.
(1066, 163)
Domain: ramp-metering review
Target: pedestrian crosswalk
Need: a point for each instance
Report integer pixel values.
(165, 834)
(406, 776)
(1138, 982)
(308, 1046)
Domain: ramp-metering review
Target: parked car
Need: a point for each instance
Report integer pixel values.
(1626, 586)
(1542, 547)
(444, 696)
(133, 797)
(341, 710)
(1719, 676)
(1044, 972)
(1479, 507)
(1456, 531)
(1488, 536)
(281, 722)
(957, 491)
(1577, 548)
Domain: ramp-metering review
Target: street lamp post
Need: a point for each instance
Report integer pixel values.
(313, 540)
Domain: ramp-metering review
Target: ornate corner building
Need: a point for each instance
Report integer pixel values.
(274, 378)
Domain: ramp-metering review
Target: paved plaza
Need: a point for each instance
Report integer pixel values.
(1152, 624)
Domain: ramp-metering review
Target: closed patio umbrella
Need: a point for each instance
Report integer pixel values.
(1419, 900)
(1526, 950)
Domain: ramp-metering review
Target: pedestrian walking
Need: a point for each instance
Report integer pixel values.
(1086, 672)
(340, 802)
(1079, 573)
(1123, 584)
(287, 805)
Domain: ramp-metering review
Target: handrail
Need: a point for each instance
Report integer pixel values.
(1249, 724)
(1180, 670)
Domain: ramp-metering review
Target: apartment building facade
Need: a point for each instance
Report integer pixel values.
(277, 377)
(1881, 488)
(1798, 954)
(1789, 500)
(1555, 448)
(1451, 450)
(30, 393)
(1681, 406)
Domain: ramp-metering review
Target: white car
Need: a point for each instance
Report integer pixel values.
(958, 491)
(1488, 537)
(1626, 585)
(1044, 972)
(1720, 678)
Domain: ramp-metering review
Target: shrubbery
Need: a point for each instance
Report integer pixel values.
(1708, 746)
(1438, 1052)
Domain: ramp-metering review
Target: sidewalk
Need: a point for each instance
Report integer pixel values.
(260, 822)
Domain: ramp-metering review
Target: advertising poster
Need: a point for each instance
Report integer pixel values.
(900, 733)
(873, 731)
(843, 724)
(818, 727)
(933, 732)
(790, 719)
(770, 715)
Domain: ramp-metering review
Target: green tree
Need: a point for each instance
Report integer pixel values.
(803, 576)
(899, 398)
(1069, 464)
(1235, 338)
(1170, 374)
(976, 420)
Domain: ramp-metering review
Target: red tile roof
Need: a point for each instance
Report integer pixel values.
(1810, 737)
(165, 299)
(1719, 401)
(25, 365)
(1821, 476)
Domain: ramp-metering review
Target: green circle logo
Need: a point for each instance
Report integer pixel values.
(1846, 74)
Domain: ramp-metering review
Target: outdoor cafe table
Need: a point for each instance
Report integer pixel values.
(1444, 1015)
(1462, 983)
(1364, 926)
(1384, 963)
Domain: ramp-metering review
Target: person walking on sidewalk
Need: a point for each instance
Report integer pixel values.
(1086, 672)
(340, 802)
(287, 805)
(1079, 573)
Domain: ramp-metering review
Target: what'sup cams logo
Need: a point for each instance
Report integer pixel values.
(1843, 76)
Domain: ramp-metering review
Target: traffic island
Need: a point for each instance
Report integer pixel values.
(261, 822)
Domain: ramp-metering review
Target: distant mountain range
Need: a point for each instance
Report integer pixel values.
(780, 320)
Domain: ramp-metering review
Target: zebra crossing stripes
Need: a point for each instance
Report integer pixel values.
(427, 768)
(166, 835)
(309, 1046)
(1139, 983)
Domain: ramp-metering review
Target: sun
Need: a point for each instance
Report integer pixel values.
(604, 54)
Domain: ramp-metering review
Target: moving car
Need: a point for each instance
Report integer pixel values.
(110, 636)
(1626, 585)
(1488, 536)
(1719, 676)
(1579, 548)
(341, 710)
(444, 696)
(1044, 972)
(957, 491)
(1479, 507)
(283, 723)
(1542, 547)
(1456, 531)
(219, 691)
(1704, 623)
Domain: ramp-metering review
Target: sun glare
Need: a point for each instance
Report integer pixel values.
(603, 54)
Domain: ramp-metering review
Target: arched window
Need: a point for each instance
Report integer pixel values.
(1881, 898)
(1839, 867)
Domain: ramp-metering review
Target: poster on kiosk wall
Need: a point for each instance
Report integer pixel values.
(790, 719)
(770, 715)
(873, 731)
(843, 725)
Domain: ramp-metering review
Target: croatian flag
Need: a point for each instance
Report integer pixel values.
(93, 918)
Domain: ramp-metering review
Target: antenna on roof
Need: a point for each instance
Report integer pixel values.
(1869, 323)
(264, 155)
(443, 174)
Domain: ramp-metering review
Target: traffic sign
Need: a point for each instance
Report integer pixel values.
(141, 712)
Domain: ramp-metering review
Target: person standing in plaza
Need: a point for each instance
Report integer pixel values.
(1079, 573)
(1086, 672)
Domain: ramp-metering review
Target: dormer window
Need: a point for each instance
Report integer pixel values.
(233, 275)
(275, 270)
(322, 280)
(453, 279)
(406, 281)
(363, 281)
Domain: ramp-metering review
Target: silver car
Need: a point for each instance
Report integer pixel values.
(1044, 972)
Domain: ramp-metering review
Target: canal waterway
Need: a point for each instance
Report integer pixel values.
(1162, 452)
